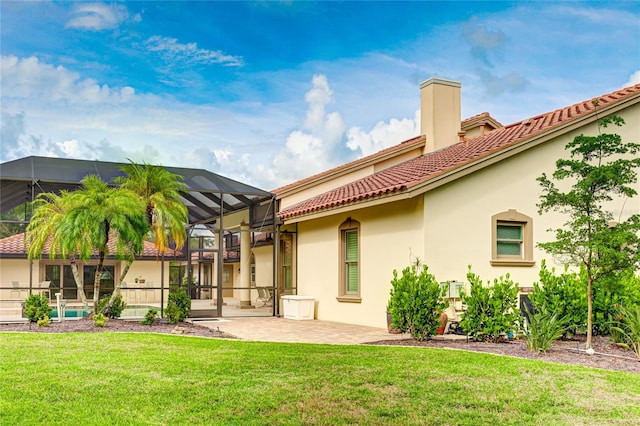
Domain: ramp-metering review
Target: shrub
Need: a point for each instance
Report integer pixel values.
(630, 327)
(44, 322)
(416, 302)
(150, 317)
(36, 307)
(609, 294)
(100, 320)
(178, 306)
(115, 309)
(565, 295)
(543, 329)
(491, 312)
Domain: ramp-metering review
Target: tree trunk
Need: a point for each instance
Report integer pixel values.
(96, 281)
(589, 312)
(79, 284)
(118, 286)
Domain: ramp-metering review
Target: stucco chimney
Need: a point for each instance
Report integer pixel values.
(440, 112)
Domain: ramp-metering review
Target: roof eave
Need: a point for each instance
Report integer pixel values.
(416, 142)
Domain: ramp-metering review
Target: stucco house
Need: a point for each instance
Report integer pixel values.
(461, 193)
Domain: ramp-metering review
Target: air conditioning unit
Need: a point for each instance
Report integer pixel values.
(453, 289)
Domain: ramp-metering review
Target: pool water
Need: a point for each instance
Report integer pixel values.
(133, 311)
(70, 313)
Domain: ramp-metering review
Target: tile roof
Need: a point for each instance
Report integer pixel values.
(402, 145)
(483, 116)
(13, 246)
(428, 166)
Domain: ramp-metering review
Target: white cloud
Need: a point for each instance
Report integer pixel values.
(29, 78)
(633, 79)
(383, 135)
(316, 147)
(172, 51)
(98, 16)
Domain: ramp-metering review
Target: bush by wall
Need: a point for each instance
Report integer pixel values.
(492, 310)
(416, 302)
(565, 295)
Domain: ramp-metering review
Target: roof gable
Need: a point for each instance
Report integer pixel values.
(431, 165)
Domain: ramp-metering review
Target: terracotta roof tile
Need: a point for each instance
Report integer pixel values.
(380, 153)
(14, 246)
(428, 166)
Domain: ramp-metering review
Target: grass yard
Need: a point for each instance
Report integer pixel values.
(140, 379)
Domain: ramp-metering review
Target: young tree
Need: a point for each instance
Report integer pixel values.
(600, 168)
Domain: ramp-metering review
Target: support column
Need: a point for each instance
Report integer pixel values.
(245, 267)
(214, 273)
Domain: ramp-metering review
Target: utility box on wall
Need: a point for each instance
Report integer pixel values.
(298, 307)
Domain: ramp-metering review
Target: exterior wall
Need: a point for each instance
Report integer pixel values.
(150, 270)
(390, 235)
(16, 270)
(264, 266)
(458, 215)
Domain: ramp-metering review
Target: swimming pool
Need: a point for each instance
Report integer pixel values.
(133, 311)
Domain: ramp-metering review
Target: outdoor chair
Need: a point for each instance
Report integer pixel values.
(265, 296)
(45, 288)
(16, 290)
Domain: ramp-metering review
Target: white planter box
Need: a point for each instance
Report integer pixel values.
(298, 307)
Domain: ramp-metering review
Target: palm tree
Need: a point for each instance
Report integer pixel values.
(43, 228)
(166, 215)
(97, 213)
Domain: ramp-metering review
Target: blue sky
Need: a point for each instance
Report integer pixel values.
(269, 92)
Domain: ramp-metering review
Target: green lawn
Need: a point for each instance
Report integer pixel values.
(129, 379)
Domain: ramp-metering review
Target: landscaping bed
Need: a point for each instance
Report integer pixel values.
(608, 355)
(86, 325)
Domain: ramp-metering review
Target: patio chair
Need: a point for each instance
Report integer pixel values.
(265, 295)
(16, 290)
(45, 288)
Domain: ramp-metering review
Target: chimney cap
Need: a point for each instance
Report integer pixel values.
(436, 80)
